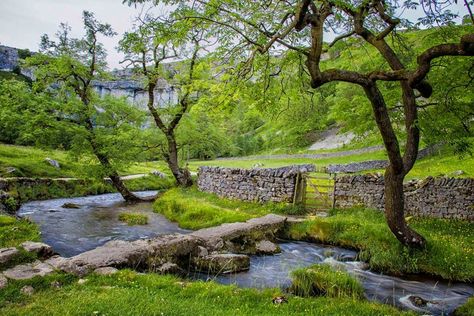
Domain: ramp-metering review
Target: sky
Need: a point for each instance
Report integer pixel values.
(23, 22)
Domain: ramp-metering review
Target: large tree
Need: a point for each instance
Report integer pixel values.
(147, 47)
(270, 27)
(66, 68)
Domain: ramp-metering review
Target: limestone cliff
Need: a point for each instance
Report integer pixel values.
(123, 82)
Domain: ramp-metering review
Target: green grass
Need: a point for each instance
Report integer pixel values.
(13, 231)
(29, 162)
(449, 254)
(467, 309)
(193, 209)
(322, 280)
(133, 219)
(129, 293)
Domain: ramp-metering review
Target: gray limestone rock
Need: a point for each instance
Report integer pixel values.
(8, 254)
(53, 163)
(28, 271)
(266, 247)
(170, 268)
(3, 281)
(41, 249)
(159, 174)
(222, 263)
(27, 290)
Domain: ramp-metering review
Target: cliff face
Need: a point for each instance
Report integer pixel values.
(123, 84)
(8, 58)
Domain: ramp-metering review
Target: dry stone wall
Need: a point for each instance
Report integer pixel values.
(260, 185)
(433, 197)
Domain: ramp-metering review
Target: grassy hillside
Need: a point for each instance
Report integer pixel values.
(30, 162)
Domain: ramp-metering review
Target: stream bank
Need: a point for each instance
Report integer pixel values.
(152, 253)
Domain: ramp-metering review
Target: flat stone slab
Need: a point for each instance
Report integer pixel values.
(28, 271)
(145, 253)
(7, 254)
(41, 249)
(178, 249)
(268, 224)
(222, 263)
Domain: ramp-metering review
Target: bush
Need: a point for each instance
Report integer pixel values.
(322, 280)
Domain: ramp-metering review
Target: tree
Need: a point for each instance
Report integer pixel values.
(301, 26)
(67, 68)
(151, 43)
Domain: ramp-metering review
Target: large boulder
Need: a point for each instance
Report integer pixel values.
(41, 249)
(28, 271)
(222, 263)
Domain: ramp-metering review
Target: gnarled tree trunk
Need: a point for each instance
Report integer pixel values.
(182, 176)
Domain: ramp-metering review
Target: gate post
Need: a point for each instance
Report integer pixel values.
(299, 195)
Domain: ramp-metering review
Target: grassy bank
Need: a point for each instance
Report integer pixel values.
(128, 293)
(449, 254)
(193, 209)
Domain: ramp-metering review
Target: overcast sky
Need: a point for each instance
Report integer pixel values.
(22, 22)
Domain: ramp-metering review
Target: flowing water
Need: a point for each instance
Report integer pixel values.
(72, 231)
(274, 271)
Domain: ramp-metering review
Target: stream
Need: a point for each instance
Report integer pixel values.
(73, 231)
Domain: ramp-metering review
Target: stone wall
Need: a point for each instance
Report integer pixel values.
(433, 197)
(259, 185)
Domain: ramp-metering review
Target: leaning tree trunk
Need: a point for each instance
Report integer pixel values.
(394, 174)
(111, 172)
(116, 180)
(182, 176)
(395, 211)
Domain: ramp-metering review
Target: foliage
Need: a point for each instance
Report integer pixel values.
(323, 280)
(449, 253)
(133, 219)
(193, 209)
(131, 293)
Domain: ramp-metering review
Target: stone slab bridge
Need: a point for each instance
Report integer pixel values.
(220, 249)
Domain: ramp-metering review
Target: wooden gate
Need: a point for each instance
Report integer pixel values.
(319, 191)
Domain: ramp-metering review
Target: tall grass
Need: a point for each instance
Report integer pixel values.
(322, 280)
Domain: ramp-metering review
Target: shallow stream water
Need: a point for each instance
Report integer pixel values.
(73, 231)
